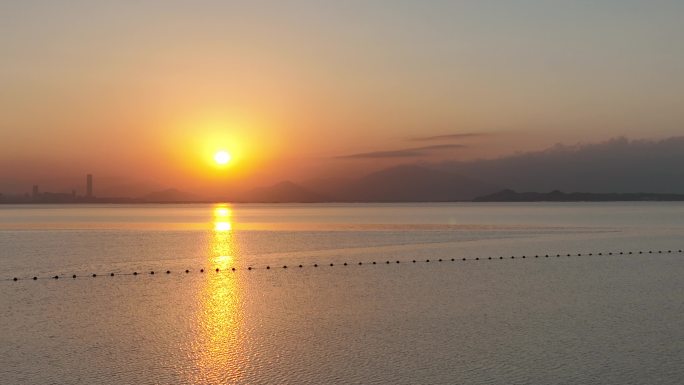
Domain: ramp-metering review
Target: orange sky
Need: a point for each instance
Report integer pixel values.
(145, 93)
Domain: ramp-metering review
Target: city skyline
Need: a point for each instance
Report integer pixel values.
(39, 195)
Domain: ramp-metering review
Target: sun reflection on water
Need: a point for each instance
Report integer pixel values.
(223, 226)
(222, 245)
(219, 346)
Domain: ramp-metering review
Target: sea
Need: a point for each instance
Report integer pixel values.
(434, 293)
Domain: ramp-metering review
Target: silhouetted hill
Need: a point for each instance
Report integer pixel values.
(413, 184)
(328, 186)
(171, 195)
(283, 192)
(115, 187)
(558, 196)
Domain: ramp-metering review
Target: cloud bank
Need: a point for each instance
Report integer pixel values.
(403, 153)
(616, 165)
(447, 137)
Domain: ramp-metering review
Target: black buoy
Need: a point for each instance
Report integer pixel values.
(414, 261)
(315, 265)
(94, 275)
(135, 273)
(500, 257)
(151, 272)
(300, 266)
(111, 274)
(35, 278)
(168, 271)
(523, 256)
(440, 260)
(489, 258)
(387, 262)
(397, 261)
(660, 252)
(546, 256)
(464, 259)
(201, 270)
(217, 270)
(591, 254)
(284, 266)
(15, 279)
(268, 267)
(56, 277)
(536, 256)
(512, 256)
(187, 271)
(332, 264)
(477, 258)
(374, 262)
(249, 268)
(427, 260)
(73, 276)
(345, 263)
(452, 259)
(360, 263)
(233, 268)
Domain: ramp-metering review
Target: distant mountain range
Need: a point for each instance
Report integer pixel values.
(615, 170)
(413, 184)
(618, 169)
(397, 184)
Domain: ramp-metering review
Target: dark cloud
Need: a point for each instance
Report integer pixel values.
(446, 137)
(402, 153)
(617, 165)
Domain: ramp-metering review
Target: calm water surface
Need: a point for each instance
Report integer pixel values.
(613, 319)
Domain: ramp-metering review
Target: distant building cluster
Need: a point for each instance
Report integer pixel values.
(36, 196)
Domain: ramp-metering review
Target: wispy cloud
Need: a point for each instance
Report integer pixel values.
(402, 153)
(446, 137)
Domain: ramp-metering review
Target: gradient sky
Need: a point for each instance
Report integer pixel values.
(145, 91)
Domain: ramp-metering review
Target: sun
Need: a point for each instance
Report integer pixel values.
(222, 157)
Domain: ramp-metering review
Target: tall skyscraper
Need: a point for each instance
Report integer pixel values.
(35, 192)
(89, 185)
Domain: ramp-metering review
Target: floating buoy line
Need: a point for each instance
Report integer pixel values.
(331, 264)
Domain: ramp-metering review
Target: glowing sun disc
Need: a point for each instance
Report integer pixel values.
(222, 157)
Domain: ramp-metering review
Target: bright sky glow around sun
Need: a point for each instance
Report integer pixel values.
(222, 157)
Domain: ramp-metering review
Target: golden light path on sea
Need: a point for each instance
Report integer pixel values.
(219, 321)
